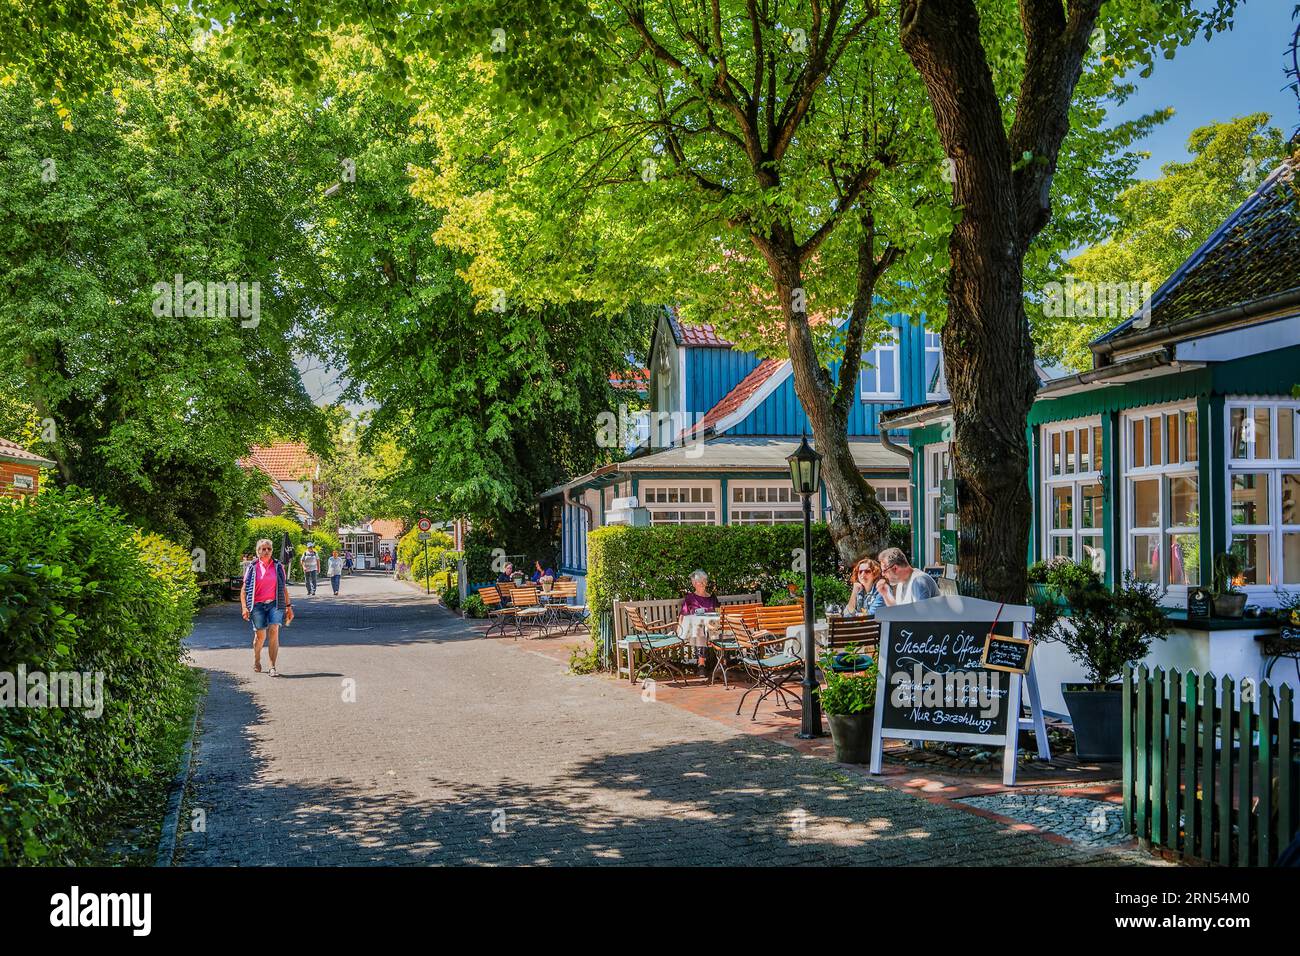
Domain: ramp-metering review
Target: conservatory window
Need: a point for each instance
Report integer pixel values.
(1264, 492)
(1072, 493)
(1162, 497)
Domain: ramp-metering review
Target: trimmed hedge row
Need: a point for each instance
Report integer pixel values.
(641, 564)
(82, 592)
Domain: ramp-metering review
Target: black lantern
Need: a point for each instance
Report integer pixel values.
(805, 473)
(805, 468)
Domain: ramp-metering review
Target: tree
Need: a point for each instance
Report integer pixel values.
(1160, 222)
(356, 475)
(774, 172)
(1003, 133)
(145, 403)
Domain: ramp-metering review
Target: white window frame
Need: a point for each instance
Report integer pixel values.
(1274, 468)
(932, 479)
(795, 504)
(900, 508)
(934, 344)
(1164, 474)
(892, 342)
(663, 508)
(1082, 431)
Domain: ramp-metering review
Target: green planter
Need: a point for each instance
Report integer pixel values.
(1098, 719)
(851, 734)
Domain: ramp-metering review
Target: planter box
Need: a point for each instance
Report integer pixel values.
(1098, 719)
(851, 734)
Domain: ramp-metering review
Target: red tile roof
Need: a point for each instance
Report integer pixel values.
(386, 528)
(286, 461)
(703, 335)
(737, 397)
(12, 452)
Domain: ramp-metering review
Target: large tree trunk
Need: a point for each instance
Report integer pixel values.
(859, 524)
(1002, 184)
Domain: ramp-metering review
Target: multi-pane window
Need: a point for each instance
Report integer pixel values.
(680, 504)
(1264, 490)
(765, 504)
(938, 466)
(1162, 497)
(896, 500)
(1072, 497)
(935, 386)
(880, 379)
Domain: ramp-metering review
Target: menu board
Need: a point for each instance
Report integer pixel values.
(934, 683)
(1198, 604)
(1009, 654)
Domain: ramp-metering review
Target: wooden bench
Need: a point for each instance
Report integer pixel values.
(775, 620)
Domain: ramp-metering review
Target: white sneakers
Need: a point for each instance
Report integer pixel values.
(274, 672)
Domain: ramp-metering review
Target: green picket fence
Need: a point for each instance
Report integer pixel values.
(1207, 778)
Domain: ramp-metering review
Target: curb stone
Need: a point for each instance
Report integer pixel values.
(176, 795)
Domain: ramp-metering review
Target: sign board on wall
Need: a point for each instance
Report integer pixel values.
(1198, 604)
(933, 684)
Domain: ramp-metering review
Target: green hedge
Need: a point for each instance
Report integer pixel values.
(81, 591)
(638, 564)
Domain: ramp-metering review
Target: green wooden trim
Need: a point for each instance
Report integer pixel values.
(1155, 745)
(1214, 457)
(1112, 532)
(1112, 398)
(930, 434)
(918, 509)
(1033, 438)
(1223, 794)
(1208, 754)
(726, 502)
(1190, 818)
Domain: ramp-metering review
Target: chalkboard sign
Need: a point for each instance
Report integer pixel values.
(934, 681)
(1009, 654)
(1198, 604)
(1290, 633)
(948, 496)
(933, 684)
(948, 546)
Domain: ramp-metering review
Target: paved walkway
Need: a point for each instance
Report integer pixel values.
(397, 736)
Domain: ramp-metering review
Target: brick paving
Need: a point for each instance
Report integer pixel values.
(458, 750)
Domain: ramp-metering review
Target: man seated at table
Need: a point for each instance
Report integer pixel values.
(699, 600)
(910, 584)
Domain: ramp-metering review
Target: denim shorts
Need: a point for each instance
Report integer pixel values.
(265, 613)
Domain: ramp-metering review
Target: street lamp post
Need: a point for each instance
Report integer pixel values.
(805, 473)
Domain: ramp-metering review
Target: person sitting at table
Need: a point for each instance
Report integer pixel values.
(699, 599)
(865, 600)
(541, 572)
(507, 573)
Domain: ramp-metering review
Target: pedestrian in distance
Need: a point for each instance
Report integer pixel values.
(310, 561)
(335, 570)
(264, 600)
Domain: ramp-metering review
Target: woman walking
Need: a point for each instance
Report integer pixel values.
(264, 600)
(334, 568)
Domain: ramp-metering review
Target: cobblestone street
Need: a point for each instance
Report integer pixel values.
(397, 736)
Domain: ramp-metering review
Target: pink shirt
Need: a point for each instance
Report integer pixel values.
(264, 587)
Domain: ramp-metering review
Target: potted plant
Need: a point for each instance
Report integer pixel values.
(1228, 600)
(1103, 632)
(848, 700)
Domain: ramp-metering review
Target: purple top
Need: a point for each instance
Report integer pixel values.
(693, 603)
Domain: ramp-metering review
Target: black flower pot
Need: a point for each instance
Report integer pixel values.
(851, 734)
(1098, 718)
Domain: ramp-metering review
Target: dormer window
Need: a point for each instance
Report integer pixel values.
(880, 379)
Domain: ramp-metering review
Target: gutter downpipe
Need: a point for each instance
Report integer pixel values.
(1273, 303)
(889, 443)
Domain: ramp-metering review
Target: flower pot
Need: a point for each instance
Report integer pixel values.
(1230, 604)
(851, 734)
(1098, 718)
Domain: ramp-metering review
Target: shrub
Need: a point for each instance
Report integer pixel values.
(478, 557)
(410, 551)
(827, 589)
(584, 658)
(450, 598)
(325, 541)
(81, 591)
(634, 564)
(1105, 630)
(474, 606)
(900, 536)
(845, 694)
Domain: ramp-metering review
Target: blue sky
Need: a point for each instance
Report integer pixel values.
(1234, 73)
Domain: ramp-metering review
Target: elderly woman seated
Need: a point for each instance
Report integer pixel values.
(699, 599)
